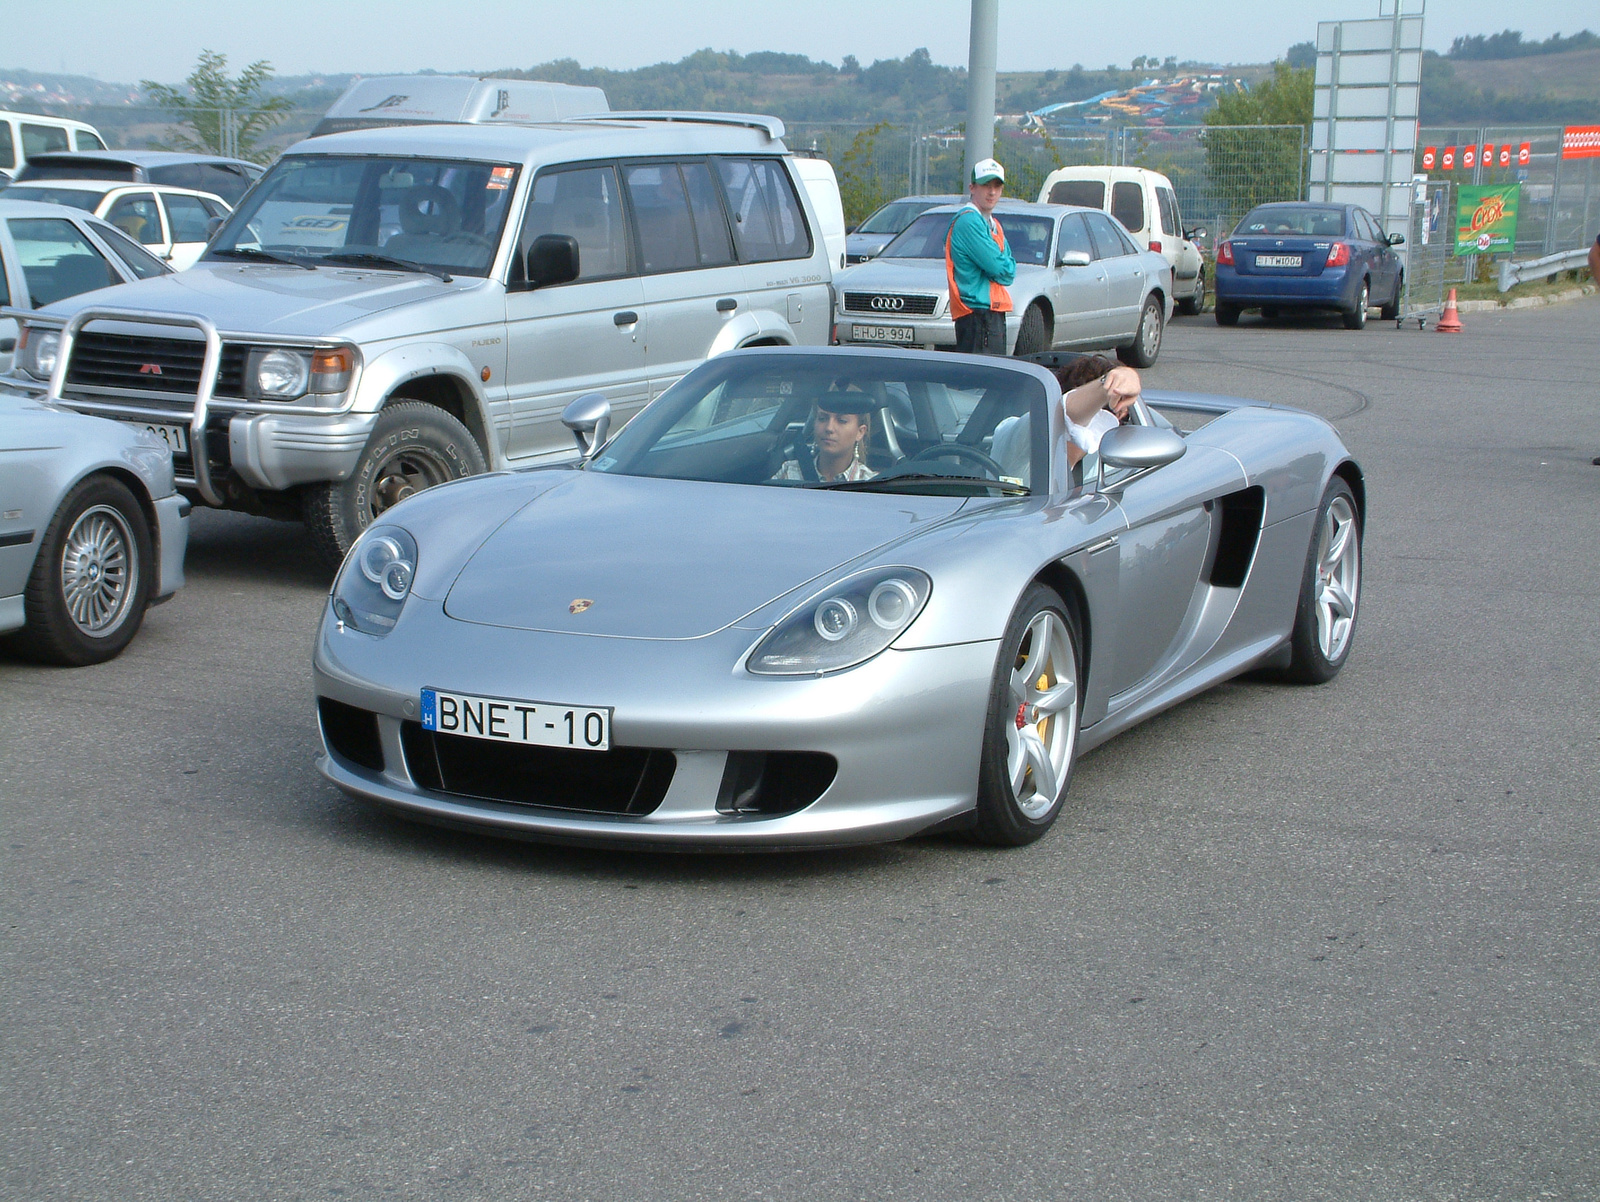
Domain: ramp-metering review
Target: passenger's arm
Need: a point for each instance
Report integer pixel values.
(1116, 391)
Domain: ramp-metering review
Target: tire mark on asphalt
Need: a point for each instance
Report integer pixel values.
(1362, 401)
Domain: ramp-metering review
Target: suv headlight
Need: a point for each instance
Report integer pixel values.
(281, 374)
(844, 625)
(375, 580)
(40, 351)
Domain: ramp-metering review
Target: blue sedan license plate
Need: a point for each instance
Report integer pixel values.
(1277, 260)
(504, 720)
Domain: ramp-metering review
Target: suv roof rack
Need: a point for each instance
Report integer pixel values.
(771, 126)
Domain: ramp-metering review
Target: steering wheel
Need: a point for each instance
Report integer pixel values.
(959, 450)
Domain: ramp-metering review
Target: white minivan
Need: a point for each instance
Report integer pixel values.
(1143, 200)
(23, 135)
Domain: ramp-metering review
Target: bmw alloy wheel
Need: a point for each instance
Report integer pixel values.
(98, 571)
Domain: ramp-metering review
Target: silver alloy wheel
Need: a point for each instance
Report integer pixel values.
(99, 571)
(1041, 738)
(1338, 578)
(1150, 334)
(404, 474)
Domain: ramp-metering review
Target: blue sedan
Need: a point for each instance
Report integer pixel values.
(1304, 255)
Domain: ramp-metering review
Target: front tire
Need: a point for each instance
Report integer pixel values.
(1147, 340)
(1330, 590)
(1033, 336)
(1195, 303)
(1030, 738)
(1227, 315)
(91, 581)
(1356, 319)
(413, 446)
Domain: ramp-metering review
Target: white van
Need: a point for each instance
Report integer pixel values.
(822, 186)
(23, 135)
(1143, 200)
(383, 100)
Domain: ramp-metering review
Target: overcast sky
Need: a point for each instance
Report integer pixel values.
(121, 41)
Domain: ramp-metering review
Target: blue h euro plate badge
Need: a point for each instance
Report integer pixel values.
(430, 710)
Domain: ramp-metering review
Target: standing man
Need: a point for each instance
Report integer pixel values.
(979, 266)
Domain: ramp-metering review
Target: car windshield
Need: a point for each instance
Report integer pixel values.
(1284, 219)
(894, 217)
(944, 426)
(439, 214)
(76, 198)
(1027, 237)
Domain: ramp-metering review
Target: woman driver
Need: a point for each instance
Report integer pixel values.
(839, 430)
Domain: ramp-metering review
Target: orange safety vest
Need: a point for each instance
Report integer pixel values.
(999, 298)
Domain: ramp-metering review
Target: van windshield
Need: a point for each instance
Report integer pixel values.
(439, 214)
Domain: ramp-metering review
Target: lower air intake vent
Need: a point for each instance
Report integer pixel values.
(774, 782)
(351, 733)
(624, 780)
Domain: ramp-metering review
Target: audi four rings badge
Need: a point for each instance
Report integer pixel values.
(892, 304)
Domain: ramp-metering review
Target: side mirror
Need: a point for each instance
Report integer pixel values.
(1196, 234)
(1396, 239)
(552, 259)
(1074, 258)
(1138, 447)
(589, 416)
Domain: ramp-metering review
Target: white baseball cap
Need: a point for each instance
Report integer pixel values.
(985, 170)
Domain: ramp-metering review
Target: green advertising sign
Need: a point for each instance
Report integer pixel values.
(1486, 220)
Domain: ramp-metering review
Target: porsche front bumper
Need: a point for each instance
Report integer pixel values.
(905, 729)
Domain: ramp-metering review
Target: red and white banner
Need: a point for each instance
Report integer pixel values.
(1430, 155)
(1449, 163)
(1524, 154)
(1469, 158)
(1505, 155)
(1487, 158)
(1580, 142)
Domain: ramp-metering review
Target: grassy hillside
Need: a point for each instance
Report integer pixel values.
(1572, 75)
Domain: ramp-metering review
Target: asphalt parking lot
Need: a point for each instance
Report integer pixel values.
(1284, 943)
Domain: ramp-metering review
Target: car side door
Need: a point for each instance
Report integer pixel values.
(691, 282)
(1125, 283)
(1078, 291)
(586, 335)
(1173, 525)
(139, 216)
(189, 223)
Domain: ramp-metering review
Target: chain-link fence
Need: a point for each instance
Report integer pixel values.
(1559, 207)
(1218, 172)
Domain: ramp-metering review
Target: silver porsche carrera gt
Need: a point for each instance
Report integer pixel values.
(696, 639)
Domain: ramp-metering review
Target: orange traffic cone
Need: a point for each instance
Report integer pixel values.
(1449, 320)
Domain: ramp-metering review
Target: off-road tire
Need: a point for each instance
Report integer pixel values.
(413, 446)
(102, 530)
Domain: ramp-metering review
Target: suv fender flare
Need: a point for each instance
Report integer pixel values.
(747, 327)
(381, 376)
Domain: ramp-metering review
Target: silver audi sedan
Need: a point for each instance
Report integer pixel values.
(1082, 284)
(695, 639)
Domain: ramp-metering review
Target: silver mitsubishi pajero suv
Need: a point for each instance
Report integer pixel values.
(389, 309)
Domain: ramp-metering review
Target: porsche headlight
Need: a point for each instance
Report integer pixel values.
(843, 626)
(375, 580)
(40, 351)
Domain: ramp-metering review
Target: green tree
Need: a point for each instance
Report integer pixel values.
(862, 187)
(226, 116)
(1247, 167)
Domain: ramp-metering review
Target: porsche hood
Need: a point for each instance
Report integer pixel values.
(630, 557)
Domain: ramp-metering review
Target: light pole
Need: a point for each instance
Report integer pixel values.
(980, 84)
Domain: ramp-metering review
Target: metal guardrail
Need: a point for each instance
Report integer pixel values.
(1512, 274)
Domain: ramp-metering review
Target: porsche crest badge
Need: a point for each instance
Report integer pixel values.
(579, 605)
